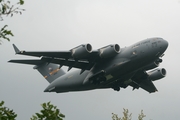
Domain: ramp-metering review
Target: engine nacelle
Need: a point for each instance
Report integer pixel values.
(153, 65)
(81, 51)
(156, 74)
(109, 51)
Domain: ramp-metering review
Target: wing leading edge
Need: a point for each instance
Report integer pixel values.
(54, 54)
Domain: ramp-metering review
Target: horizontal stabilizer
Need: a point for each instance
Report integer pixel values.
(16, 49)
(30, 62)
(49, 71)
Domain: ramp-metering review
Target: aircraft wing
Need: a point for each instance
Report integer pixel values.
(30, 62)
(140, 80)
(54, 54)
(57, 54)
(64, 58)
(84, 65)
(148, 86)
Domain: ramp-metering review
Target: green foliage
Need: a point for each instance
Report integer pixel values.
(4, 33)
(127, 115)
(141, 115)
(7, 9)
(6, 113)
(49, 112)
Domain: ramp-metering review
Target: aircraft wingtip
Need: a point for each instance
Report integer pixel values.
(16, 49)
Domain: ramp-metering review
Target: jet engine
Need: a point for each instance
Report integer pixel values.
(156, 74)
(109, 51)
(81, 51)
(153, 65)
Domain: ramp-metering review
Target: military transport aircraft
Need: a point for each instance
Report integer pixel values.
(108, 67)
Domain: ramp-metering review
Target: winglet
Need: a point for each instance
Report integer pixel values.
(16, 49)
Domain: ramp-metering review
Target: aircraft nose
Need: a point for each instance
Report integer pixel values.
(165, 44)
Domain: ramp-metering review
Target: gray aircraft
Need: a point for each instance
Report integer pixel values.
(108, 67)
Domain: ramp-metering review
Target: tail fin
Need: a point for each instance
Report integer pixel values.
(50, 71)
(16, 49)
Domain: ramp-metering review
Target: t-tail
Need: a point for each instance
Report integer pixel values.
(49, 71)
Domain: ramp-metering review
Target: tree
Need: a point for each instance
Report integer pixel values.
(49, 112)
(141, 115)
(6, 113)
(127, 116)
(7, 9)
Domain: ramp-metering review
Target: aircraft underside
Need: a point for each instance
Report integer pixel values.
(107, 67)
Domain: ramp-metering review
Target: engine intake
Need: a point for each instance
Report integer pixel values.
(81, 51)
(109, 51)
(156, 74)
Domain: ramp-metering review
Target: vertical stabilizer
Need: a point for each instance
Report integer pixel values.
(50, 71)
(16, 49)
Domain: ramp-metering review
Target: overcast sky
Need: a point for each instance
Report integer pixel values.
(64, 24)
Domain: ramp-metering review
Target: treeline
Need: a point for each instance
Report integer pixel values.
(51, 112)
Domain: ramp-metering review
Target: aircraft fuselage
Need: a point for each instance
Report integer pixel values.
(112, 72)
